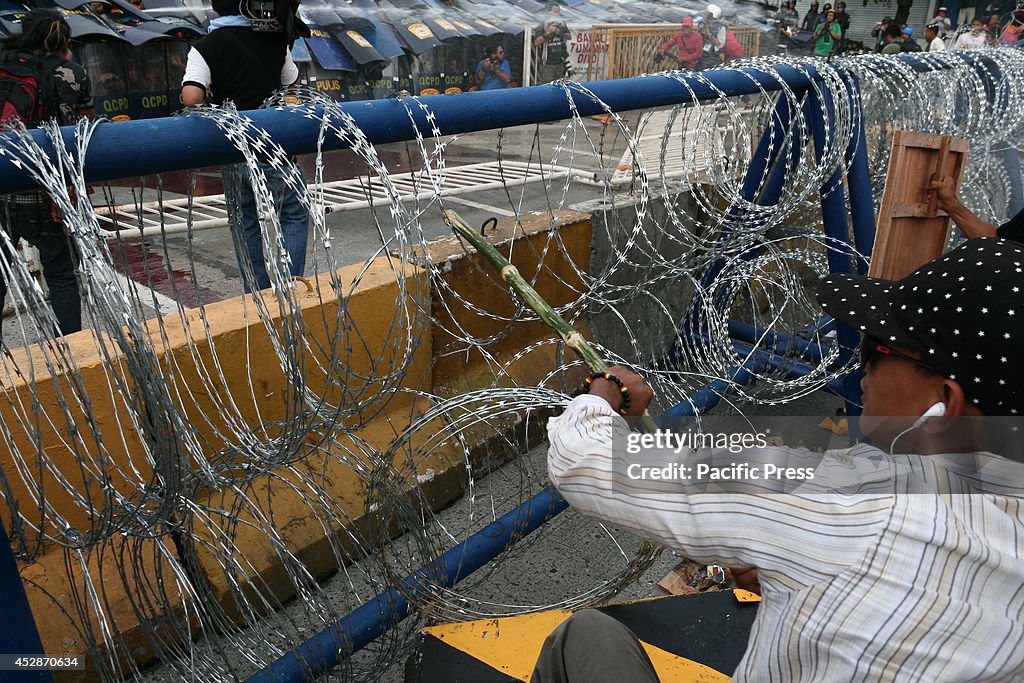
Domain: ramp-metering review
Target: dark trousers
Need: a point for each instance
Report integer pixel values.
(34, 223)
(591, 647)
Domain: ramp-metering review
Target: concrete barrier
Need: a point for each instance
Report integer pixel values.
(235, 519)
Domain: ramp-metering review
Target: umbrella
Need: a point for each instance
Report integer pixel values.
(532, 6)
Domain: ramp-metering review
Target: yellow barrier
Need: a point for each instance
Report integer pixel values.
(441, 365)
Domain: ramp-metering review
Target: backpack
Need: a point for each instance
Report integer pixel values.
(28, 90)
(910, 46)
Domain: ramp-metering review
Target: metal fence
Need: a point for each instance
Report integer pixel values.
(628, 50)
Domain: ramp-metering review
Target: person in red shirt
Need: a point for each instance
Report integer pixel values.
(690, 45)
(733, 49)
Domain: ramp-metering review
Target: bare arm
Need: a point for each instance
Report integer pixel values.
(498, 71)
(972, 226)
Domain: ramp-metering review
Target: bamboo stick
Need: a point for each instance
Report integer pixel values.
(510, 274)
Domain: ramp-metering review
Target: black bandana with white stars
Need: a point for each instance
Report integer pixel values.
(964, 312)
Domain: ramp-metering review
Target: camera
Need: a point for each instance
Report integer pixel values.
(263, 14)
(658, 58)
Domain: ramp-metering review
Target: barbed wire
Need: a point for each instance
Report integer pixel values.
(176, 493)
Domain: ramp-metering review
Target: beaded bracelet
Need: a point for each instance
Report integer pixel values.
(624, 408)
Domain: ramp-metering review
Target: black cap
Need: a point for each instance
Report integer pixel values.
(964, 312)
(886, 20)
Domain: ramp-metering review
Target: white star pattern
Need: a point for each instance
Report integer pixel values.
(953, 314)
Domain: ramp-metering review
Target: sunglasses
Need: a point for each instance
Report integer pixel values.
(869, 347)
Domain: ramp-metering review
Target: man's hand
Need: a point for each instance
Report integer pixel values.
(944, 188)
(746, 579)
(640, 393)
(946, 199)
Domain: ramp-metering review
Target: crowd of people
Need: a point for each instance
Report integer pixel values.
(826, 30)
(825, 27)
(702, 43)
(941, 33)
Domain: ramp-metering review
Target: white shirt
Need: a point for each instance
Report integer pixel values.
(878, 585)
(944, 24)
(937, 45)
(971, 41)
(198, 71)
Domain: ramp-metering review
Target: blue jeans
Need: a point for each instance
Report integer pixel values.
(35, 223)
(245, 223)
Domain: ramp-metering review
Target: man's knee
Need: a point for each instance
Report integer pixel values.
(588, 627)
(589, 619)
(590, 646)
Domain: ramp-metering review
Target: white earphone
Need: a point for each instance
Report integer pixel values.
(936, 410)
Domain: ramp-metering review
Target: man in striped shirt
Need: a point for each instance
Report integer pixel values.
(897, 562)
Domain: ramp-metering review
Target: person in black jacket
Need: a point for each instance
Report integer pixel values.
(234, 62)
(812, 18)
(32, 216)
(843, 19)
(878, 33)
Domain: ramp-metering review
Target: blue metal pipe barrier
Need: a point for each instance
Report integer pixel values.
(765, 160)
(834, 218)
(708, 397)
(820, 327)
(18, 633)
(327, 649)
(781, 344)
(793, 369)
(858, 179)
(135, 148)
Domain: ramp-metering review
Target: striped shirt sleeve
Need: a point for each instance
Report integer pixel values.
(795, 539)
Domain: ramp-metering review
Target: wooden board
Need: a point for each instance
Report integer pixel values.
(911, 230)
